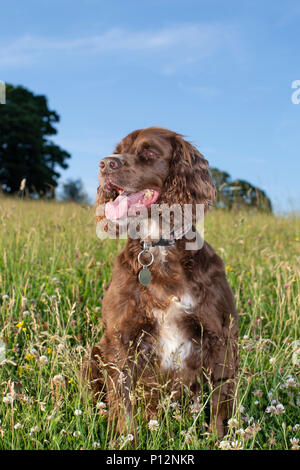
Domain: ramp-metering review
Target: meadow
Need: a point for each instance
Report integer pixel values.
(53, 270)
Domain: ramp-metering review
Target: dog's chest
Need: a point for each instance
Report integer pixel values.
(173, 344)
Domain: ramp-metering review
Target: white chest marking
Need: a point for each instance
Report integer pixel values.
(173, 345)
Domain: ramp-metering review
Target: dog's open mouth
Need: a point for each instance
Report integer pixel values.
(128, 203)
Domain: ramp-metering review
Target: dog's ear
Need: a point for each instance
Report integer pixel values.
(189, 180)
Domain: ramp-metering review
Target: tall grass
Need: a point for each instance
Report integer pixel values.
(52, 273)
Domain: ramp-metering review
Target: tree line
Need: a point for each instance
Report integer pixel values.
(30, 160)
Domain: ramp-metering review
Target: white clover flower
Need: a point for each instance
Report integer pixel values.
(233, 423)
(240, 432)
(242, 409)
(78, 412)
(294, 443)
(290, 382)
(76, 433)
(8, 398)
(296, 427)
(5, 297)
(59, 379)
(43, 359)
(175, 405)
(96, 445)
(153, 425)
(271, 410)
(224, 445)
(60, 348)
(253, 428)
(34, 429)
(196, 408)
(17, 426)
(272, 360)
(100, 405)
(279, 409)
(236, 445)
(130, 437)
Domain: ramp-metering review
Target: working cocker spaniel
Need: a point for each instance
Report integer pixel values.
(168, 313)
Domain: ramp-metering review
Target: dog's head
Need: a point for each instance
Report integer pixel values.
(153, 166)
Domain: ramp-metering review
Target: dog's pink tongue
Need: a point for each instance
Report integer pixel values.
(118, 208)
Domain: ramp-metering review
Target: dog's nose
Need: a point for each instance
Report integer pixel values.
(110, 163)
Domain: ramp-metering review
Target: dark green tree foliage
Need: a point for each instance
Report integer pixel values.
(238, 193)
(73, 191)
(26, 151)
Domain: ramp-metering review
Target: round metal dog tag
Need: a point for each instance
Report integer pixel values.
(144, 276)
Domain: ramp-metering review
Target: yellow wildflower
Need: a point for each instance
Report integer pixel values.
(20, 324)
(28, 357)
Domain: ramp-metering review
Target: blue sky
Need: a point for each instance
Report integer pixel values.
(219, 72)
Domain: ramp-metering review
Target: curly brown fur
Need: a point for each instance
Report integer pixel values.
(138, 319)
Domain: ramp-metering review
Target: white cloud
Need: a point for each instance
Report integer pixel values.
(185, 42)
(202, 91)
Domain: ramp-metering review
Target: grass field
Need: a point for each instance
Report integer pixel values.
(52, 273)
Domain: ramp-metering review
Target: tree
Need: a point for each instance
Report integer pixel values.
(238, 193)
(26, 151)
(73, 191)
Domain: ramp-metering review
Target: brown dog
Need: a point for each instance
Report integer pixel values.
(179, 327)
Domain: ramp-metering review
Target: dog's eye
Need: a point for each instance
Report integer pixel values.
(149, 153)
